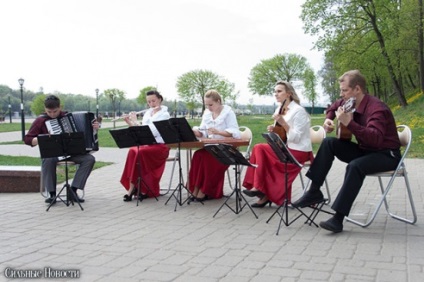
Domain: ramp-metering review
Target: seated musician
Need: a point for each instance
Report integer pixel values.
(206, 176)
(149, 159)
(376, 150)
(267, 181)
(48, 167)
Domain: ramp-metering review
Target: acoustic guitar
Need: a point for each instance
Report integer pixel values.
(341, 131)
(278, 129)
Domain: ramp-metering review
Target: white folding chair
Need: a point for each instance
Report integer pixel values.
(318, 134)
(43, 190)
(405, 137)
(246, 134)
(174, 160)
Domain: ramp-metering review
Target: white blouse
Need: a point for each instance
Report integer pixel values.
(148, 119)
(298, 137)
(225, 121)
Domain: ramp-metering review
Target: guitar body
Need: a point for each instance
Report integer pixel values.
(341, 131)
(280, 131)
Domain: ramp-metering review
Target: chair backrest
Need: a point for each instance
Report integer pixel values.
(246, 133)
(405, 137)
(317, 133)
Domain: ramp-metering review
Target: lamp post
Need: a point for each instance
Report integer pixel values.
(97, 102)
(10, 110)
(21, 83)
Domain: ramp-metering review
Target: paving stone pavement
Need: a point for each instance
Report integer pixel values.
(112, 240)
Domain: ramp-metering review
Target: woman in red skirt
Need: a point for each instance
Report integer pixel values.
(147, 161)
(268, 180)
(206, 176)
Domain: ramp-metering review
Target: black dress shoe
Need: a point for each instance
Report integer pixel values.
(257, 205)
(50, 200)
(308, 199)
(127, 198)
(141, 197)
(74, 198)
(204, 198)
(332, 224)
(253, 193)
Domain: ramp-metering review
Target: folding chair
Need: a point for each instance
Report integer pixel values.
(247, 134)
(174, 161)
(405, 137)
(318, 134)
(43, 190)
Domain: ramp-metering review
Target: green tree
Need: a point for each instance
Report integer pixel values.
(376, 36)
(114, 95)
(37, 105)
(310, 83)
(193, 85)
(286, 67)
(329, 80)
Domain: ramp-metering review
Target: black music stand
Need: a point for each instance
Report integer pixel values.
(176, 131)
(63, 145)
(286, 157)
(229, 155)
(135, 136)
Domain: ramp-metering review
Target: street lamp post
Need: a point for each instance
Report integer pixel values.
(97, 102)
(21, 83)
(10, 111)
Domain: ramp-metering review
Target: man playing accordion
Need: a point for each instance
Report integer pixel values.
(48, 168)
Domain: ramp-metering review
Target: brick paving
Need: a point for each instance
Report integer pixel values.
(112, 240)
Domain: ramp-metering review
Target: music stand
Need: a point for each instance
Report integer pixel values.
(62, 145)
(175, 131)
(285, 157)
(229, 155)
(135, 136)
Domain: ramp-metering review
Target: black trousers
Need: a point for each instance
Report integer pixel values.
(360, 163)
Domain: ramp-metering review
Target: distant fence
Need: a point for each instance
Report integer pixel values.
(317, 110)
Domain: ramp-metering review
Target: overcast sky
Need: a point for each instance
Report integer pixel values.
(76, 46)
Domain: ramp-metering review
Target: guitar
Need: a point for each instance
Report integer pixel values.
(341, 131)
(278, 129)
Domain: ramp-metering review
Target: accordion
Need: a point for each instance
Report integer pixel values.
(76, 122)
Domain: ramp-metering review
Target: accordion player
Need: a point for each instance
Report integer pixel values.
(76, 122)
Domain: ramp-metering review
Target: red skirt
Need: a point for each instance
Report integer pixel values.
(152, 159)
(270, 175)
(207, 173)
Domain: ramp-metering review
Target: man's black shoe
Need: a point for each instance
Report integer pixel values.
(308, 199)
(50, 200)
(332, 224)
(72, 198)
(253, 193)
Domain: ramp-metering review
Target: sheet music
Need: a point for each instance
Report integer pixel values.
(280, 149)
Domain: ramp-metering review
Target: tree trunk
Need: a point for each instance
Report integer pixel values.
(396, 84)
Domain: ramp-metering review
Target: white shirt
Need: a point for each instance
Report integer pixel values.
(225, 121)
(148, 119)
(298, 137)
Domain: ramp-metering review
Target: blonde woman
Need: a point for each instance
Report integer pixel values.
(206, 176)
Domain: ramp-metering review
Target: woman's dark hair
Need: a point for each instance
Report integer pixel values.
(52, 102)
(156, 93)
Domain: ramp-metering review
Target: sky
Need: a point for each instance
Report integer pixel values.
(76, 46)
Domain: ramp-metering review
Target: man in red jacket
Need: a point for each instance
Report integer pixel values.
(377, 148)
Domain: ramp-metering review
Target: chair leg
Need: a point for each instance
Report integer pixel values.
(411, 203)
(172, 175)
(384, 200)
